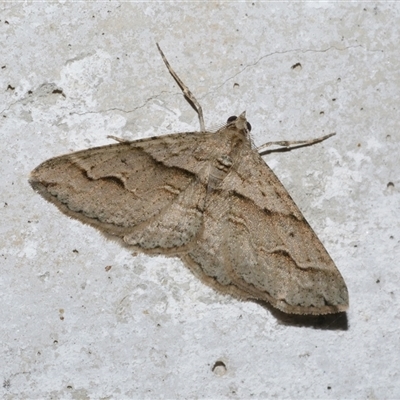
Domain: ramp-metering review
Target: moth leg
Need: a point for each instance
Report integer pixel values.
(117, 139)
(292, 143)
(186, 92)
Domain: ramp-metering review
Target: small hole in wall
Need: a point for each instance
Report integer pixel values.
(390, 185)
(296, 67)
(219, 368)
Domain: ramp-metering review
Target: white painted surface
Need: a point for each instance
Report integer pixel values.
(71, 74)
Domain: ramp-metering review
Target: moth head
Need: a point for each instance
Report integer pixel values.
(239, 123)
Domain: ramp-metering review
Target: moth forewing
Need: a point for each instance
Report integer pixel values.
(207, 198)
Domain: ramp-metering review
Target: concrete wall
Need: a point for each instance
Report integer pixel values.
(73, 73)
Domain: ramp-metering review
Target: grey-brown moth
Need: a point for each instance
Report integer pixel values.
(207, 198)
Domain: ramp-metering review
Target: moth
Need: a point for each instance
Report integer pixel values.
(207, 198)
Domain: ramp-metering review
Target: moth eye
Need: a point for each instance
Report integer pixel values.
(231, 119)
(248, 126)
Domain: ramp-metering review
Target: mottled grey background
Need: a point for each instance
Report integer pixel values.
(73, 73)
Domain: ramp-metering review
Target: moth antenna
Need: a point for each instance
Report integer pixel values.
(187, 94)
(216, 127)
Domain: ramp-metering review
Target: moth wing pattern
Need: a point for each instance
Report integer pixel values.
(267, 249)
(149, 193)
(126, 193)
(289, 244)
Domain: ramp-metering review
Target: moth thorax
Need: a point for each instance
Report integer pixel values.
(224, 162)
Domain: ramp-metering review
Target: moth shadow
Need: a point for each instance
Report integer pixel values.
(326, 322)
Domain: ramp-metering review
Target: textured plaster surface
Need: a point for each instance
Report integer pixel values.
(83, 319)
